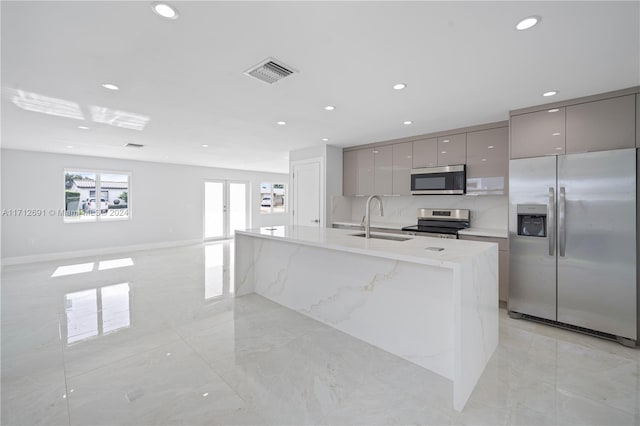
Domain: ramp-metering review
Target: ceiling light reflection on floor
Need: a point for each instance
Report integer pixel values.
(115, 263)
(34, 102)
(79, 268)
(123, 119)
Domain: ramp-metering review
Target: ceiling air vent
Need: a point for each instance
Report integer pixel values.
(270, 70)
(133, 145)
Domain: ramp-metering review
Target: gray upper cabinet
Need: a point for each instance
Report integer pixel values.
(601, 125)
(537, 134)
(488, 161)
(364, 168)
(350, 173)
(452, 149)
(402, 163)
(637, 121)
(425, 153)
(383, 170)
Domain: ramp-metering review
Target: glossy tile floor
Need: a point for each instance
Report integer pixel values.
(156, 337)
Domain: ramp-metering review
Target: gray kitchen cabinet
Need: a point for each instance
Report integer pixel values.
(488, 161)
(452, 149)
(402, 163)
(349, 173)
(425, 153)
(503, 262)
(637, 121)
(383, 170)
(364, 172)
(537, 134)
(601, 125)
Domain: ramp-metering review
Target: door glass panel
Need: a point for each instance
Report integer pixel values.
(237, 207)
(213, 209)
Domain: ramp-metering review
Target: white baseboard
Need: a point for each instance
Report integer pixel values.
(18, 260)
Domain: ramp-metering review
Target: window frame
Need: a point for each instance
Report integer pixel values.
(272, 194)
(98, 173)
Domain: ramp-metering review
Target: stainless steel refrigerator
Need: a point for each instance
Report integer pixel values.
(572, 237)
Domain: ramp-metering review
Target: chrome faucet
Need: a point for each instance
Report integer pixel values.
(366, 220)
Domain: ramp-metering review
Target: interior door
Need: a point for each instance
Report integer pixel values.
(597, 248)
(226, 208)
(532, 259)
(306, 191)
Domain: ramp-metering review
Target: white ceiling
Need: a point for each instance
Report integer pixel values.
(463, 62)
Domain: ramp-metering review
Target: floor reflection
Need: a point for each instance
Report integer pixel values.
(219, 270)
(96, 312)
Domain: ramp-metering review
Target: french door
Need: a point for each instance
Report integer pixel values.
(226, 208)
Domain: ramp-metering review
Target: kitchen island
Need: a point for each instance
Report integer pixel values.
(431, 301)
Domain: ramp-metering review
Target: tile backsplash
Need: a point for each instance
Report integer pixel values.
(487, 211)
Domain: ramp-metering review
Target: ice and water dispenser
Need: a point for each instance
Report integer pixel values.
(532, 220)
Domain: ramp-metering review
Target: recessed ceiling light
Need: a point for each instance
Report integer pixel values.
(69, 146)
(165, 10)
(325, 139)
(399, 86)
(445, 141)
(329, 107)
(555, 134)
(83, 128)
(528, 22)
(444, 152)
(550, 93)
(484, 159)
(110, 86)
(205, 146)
(554, 110)
(408, 122)
(490, 147)
(281, 123)
(559, 148)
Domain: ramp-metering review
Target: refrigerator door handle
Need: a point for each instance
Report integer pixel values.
(551, 222)
(562, 237)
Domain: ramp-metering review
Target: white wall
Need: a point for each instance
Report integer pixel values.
(487, 211)
(166, 202)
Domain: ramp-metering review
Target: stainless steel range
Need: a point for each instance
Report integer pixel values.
(439, 223)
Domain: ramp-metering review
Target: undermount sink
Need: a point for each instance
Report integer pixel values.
(383, 237)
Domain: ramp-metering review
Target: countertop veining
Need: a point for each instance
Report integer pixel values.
(417, 249)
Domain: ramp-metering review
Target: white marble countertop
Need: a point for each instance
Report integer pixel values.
(374, 224)
(485, 232)
(477, 232)
(415, 249)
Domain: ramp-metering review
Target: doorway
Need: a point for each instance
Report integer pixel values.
(307, 190)
(226, 208)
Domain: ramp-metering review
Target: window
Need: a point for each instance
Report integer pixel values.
(81, 203)
(272, 197)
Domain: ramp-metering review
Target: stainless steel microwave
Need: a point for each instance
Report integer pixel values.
(446, 180)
